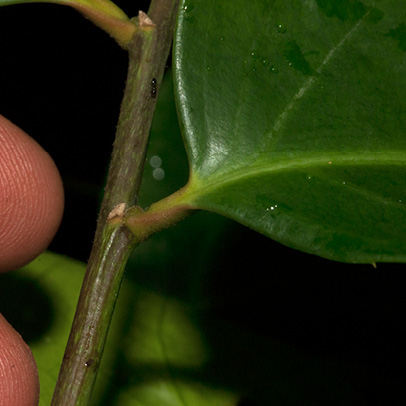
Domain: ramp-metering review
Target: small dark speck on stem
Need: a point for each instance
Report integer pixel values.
(89, 362)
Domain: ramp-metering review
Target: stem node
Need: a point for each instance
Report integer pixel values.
(113, 240)
(146, 24)
(117, 214)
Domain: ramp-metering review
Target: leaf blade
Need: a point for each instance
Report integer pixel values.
(298, 106)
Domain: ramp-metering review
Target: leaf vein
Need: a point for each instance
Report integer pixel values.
(381, 158)
(309, 82)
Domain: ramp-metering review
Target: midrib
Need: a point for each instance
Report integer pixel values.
(206, 186)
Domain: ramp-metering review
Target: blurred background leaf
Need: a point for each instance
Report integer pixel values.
(290, 336)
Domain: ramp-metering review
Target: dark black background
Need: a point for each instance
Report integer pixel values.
(62, 80)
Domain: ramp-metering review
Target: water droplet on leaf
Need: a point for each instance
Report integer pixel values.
(281, 28)
(271, 208)
(273, 69)
(188, 8)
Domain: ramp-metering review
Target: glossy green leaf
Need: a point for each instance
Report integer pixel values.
(294, 120)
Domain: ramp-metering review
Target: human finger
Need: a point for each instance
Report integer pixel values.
(31, 197)
(19, 384)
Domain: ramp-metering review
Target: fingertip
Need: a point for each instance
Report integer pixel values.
(31, 197)
(19, 383)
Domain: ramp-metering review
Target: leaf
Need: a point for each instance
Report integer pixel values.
(163, 348)
(166, 354)
(166, 170)
(294, 117)
(47, 290)
(103, 13)
(165, 351)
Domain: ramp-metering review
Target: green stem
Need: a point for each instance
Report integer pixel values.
(148, 53)
(165, 213)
